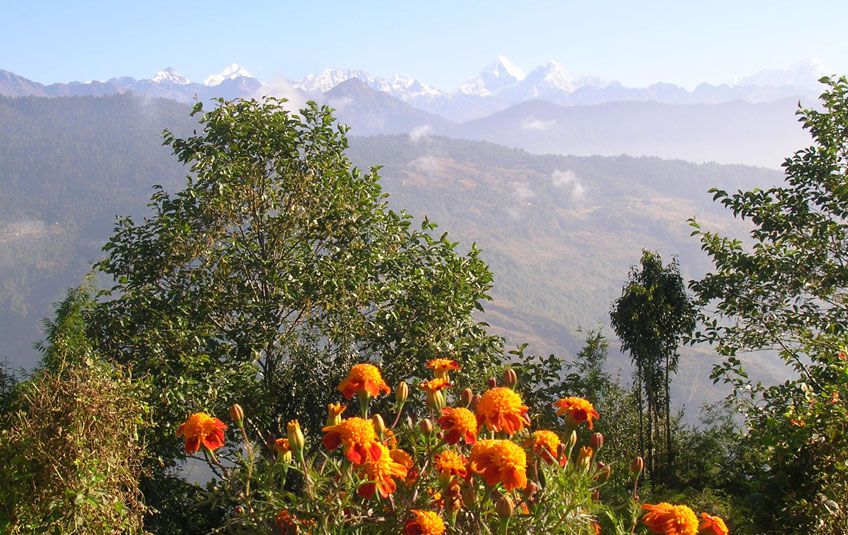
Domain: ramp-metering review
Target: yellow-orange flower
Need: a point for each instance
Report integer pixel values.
(434, 385)
(459, 424)
(200, 429)
(451, 463)
(364, 378)
(358, 437)
(546, 445)
(405, 459)
(500, 461)
(712, 525)
(667, 519)
(282, 446)
(500, 409)
(380, 474)
(441, 367)
(424, 523)
(334, 413)
(578, 410)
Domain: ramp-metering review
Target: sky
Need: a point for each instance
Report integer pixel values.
(439, 42)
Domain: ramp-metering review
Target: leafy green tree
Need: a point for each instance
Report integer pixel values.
(274, 270)
(651, 318)
(784, 289)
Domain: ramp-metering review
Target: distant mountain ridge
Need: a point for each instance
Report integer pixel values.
(498, 86)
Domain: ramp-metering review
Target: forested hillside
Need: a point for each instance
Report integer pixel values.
(559, 232)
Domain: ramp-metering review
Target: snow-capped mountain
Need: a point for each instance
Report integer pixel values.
(231, 72)
(494, 77)
(549, 80)
(400, 86)
(170, 76)
(804, 73)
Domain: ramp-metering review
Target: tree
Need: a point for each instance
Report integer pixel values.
(275, 269)
(785, 290)
(651, 318)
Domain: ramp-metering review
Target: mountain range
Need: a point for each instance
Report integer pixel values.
(497, 86)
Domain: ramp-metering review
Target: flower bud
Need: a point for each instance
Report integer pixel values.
(604, 473)
(284, 453)
(509, 377)
(379, 424)
(572, 441)
(401, 393)
(466, 397)
(237, 414)
(296, 439)
(436, 401)
(493, 382)
(474, 401)
(469, 495)
(504, 506)
(334, 413)
(596, 441)
(426, 426)
(584, 458)
(637, 465)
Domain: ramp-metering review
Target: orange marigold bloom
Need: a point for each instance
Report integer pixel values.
(200, 429)
(434, 385)
(364, 378)
(451, 463)
(380, 474)
(424, 523)
(500, 409)
(282, 446)
(546, 445)
(712, 525)
(459, 424)
(358, 437)
(667, 519)
(441, 367)
(578, 410)
(500, 461)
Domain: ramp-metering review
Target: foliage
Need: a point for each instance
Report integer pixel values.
(784, 289)
(279, 257)
(70, 455)
(651, 318)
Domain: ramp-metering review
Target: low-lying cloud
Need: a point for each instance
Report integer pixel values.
(570, 182)
(531, 123)
(420, 133)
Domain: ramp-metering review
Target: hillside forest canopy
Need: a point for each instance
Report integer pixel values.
(326, 357)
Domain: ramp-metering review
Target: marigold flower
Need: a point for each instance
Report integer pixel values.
(584, 458)
(578, 410)
(434, 385)
(200, 429)
(451, 463)
(500, 409)
(667, 519)
(281, 445)
(405, 459)
(358, 437)
(380, 474)
(500, 461)
(441, 367)
(546, 444)
(424, 523)
(389, 439)
(364, 378)
(712, 525)
(459, 424)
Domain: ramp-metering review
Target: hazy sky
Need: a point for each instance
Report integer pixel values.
(637, 42)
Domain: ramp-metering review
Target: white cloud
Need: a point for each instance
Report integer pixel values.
(429, 165)
(531, 123)
(281, 87)
(522, 190)
(420, 132)
(571, 182)
(340, 103)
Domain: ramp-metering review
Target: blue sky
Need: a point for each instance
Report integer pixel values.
(439, 42)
